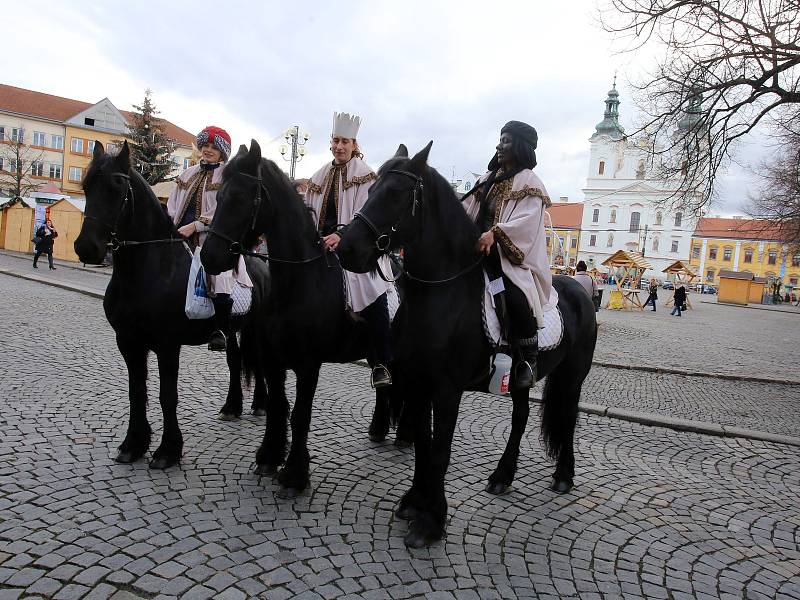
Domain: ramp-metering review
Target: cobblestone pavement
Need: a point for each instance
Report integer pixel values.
(90, 278)
(655, 513)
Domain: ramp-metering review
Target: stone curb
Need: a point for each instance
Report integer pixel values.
(651, 419)
(669, 371)
(61, 263)
(774, 308)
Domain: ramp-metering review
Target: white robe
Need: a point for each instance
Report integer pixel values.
(222, 283)
(353, 185)
(519, 231)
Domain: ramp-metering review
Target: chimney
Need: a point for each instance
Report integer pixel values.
(564, 199)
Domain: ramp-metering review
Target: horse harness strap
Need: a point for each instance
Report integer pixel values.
(115, 242)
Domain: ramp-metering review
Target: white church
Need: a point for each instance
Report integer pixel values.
(620, 211)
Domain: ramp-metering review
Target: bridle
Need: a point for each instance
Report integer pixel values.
(383, 241)
(114, 241)
(237, 247)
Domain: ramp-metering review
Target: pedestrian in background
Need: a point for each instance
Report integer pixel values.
(587, 282)
(679, 298)
(653, 291)
(45, 237)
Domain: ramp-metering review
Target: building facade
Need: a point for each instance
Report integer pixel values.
(563, 230)
(59, 135)
(623, 207)
(742, 245)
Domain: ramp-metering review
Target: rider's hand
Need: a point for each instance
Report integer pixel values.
(485, 242)
(187, 230)
(331, 241)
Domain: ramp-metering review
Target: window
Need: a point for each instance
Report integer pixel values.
(17, 134)
(187, 162)
(634, 222)
(655, 244)
(710, 275)
(674, 247)
(772, 257)
(573, 243)
(695, 251)
(595, 215)
(548, 241)
(74, 173)
(57, 142)
(592, 240)
(610, 241)
(2, 163)
(76, 146)
(88, 121)
(55, 171)
(748, 255)
(90, 146)
(613, 218)
(796, 260)
(658, 218)
(793, 280)
(712, 253)
(678, 219)
(12, 165)
(602, 168)
(37, 168)
(561, 245)
(38, 138)
(726, 254)
(2, 134)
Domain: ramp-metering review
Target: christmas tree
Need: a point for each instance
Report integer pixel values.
(151, 149)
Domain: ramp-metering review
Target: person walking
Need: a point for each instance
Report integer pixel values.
(587, 282)
(679, 297)
(653, 293)
(45, 236)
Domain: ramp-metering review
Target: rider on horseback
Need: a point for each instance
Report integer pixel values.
(336, 192)
(508, 205)
(191, 205)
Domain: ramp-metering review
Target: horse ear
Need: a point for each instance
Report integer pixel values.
(402, 151)
(98, 149)
(421, 158)
(251, 161)
(242, 151)
(123, 159)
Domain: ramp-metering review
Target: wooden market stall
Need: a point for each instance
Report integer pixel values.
(734, 286)
(757, 286)
(682, 276)
(629, 269)
(67, 217)
(16, 230)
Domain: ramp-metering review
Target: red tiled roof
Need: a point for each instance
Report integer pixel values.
(56, 108)
(566, 214)
(740, 229)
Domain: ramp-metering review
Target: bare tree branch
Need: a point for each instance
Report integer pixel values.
(19, 162)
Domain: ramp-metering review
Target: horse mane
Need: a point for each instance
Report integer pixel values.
(462, 232)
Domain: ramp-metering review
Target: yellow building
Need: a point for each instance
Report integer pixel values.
(563, 228)
(742, 245)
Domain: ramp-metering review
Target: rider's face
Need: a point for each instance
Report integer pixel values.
(210, 153)
(342, 148)
(505, 154)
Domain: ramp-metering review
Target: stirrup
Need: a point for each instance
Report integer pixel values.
(380, 377)
(215, 343)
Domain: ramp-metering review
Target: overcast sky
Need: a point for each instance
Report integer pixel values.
(453, 72)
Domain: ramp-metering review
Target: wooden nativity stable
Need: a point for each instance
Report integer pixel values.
(682, 275)
(627, 268)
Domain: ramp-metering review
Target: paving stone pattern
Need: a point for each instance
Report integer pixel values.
(655, 513)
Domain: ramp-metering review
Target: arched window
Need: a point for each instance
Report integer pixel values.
(727, 253)
(658, 218)
(655, 244)
(613, 217)
(712, 253)
(595, 215)
(640, 170)
(610, 241)
(678, 219)
(748, 255)
(634, 222)
(602, 168)
(710, 275)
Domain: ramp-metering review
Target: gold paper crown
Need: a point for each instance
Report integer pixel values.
(346, 125)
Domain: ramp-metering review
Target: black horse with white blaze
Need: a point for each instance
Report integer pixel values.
(306, 323)
(145, 300)
(441, 349)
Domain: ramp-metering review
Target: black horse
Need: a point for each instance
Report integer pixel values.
(441, 348)
(306, 322)
(145, 299)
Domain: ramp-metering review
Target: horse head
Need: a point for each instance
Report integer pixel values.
(106, 186)
(387, 220)
(238, 210)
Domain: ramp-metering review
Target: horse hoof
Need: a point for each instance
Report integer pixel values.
(497, 488)
(125, 458)
(265, 469)
(406, 513)
(376, 437)
(162, 463)
(223, 416)
(561, 487)
(289, 493)
(259, 412)
(416, 539)
(401, 443)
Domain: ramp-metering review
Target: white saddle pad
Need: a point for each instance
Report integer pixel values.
(393, 299)
(242, 299)
(550, 332)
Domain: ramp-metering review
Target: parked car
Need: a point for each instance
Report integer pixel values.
(668, 285)
(708, 289)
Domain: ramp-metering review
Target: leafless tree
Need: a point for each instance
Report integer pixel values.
(20, 162)
(725, 67)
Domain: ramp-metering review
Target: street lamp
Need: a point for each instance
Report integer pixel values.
(296, 150)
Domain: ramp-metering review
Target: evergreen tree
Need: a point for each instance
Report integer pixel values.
(151, 149)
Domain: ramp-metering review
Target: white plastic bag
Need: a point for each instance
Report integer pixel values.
(198, 303)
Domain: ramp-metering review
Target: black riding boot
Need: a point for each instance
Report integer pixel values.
(523, 369)
(222, 322)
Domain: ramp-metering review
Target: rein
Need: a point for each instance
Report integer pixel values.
(237, 246)
(383, 241)
(115, 242)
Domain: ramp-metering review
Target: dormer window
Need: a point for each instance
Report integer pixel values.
(88, 121)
